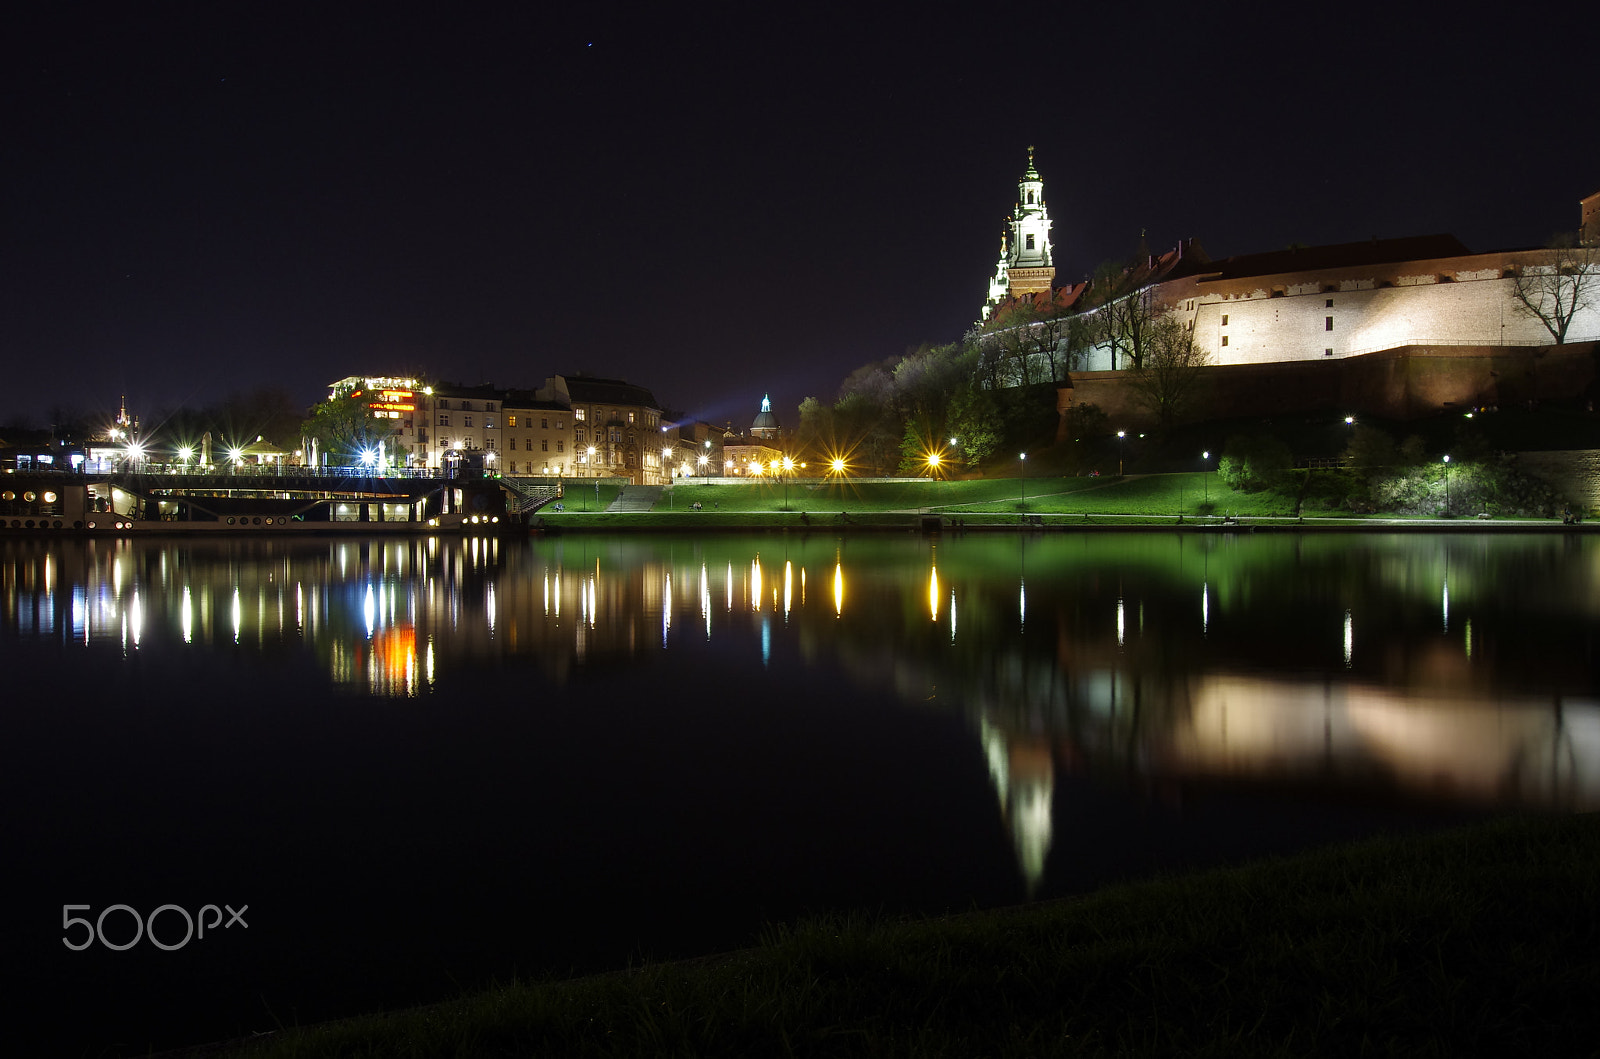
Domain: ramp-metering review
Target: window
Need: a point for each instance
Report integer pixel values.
(561, 446)
(561, 424)
(466, 421)
(630, 417)
(511, 421)
(1327, 352)
(488, 423)
(1224, 319)
(544, 424)
(1030, 242)
(511, 443)
(544, 446)
(488, 406)
(443, 403)
(578, 414)
(1327, 323)
(444, 420)
(1330, 303)
(1224, 339)
(577, 435)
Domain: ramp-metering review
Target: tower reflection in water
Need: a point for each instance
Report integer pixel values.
(1444, 670)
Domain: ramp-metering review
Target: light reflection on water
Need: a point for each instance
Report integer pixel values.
(1307, 657)
(506, 709)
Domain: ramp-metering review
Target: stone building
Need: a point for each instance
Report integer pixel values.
(1321, 304)
(572, 426)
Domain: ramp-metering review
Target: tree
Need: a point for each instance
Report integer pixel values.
(1562, 284)
(1121, 315)
(1164, 378)
(1253, 463)
(344, 427)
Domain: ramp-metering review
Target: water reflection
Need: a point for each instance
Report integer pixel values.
(1108, 672)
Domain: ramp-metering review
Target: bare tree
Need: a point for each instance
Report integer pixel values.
(1164, 380)
(1564, 283)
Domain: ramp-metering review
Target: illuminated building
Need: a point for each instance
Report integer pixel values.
(1026, 263)
(1439, 322)
(756, 452)
(545, 432)
(621, 422)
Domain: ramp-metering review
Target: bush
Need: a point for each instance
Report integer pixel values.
(1251, 464)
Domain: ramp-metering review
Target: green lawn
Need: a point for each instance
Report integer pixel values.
(1481, 941)
(1150, 495)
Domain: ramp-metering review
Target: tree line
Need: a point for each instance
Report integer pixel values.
(993, 393)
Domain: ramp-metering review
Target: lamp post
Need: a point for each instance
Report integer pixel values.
(1447, 484)
(1205, 474)
(1121, 437)
(933, 469)
(1024, 458)
(788, 470)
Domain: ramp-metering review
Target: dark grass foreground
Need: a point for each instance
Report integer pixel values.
(1481, 941)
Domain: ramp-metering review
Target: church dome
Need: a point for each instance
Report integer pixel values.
(765, 424)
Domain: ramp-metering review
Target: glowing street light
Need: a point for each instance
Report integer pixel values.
(1121, 437)
(1205, 473)
(1024, 458)
(1447, 484)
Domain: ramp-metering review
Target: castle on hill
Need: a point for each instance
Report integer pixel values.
(1322, 304)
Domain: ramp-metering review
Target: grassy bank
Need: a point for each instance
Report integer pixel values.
(1480, 941)
(1154, 500)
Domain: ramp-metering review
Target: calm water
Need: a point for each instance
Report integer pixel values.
(426, 763)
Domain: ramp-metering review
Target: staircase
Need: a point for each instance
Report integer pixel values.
(636, 498)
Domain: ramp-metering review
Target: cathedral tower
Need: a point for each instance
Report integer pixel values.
(1027, 265)
(1030, 267)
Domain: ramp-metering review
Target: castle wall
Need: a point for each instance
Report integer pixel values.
(1406, 383)
(1350, 312)
(1575, 474)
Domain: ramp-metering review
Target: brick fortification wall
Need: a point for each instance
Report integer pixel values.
(1575, 473)
(1405, 383)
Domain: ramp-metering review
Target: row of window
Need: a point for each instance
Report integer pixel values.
(544, 444)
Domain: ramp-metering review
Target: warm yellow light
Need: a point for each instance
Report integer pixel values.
(838, 466)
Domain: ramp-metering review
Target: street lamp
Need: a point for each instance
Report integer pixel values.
(1205, 474)
(933, 470)
(1024, 458)
(1121, 437)
(1447, 484)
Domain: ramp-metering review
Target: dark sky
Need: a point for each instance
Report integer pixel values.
(713, 201)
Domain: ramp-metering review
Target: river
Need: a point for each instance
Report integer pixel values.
(390, 769)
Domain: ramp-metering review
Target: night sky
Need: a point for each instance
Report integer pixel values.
(712, 201)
